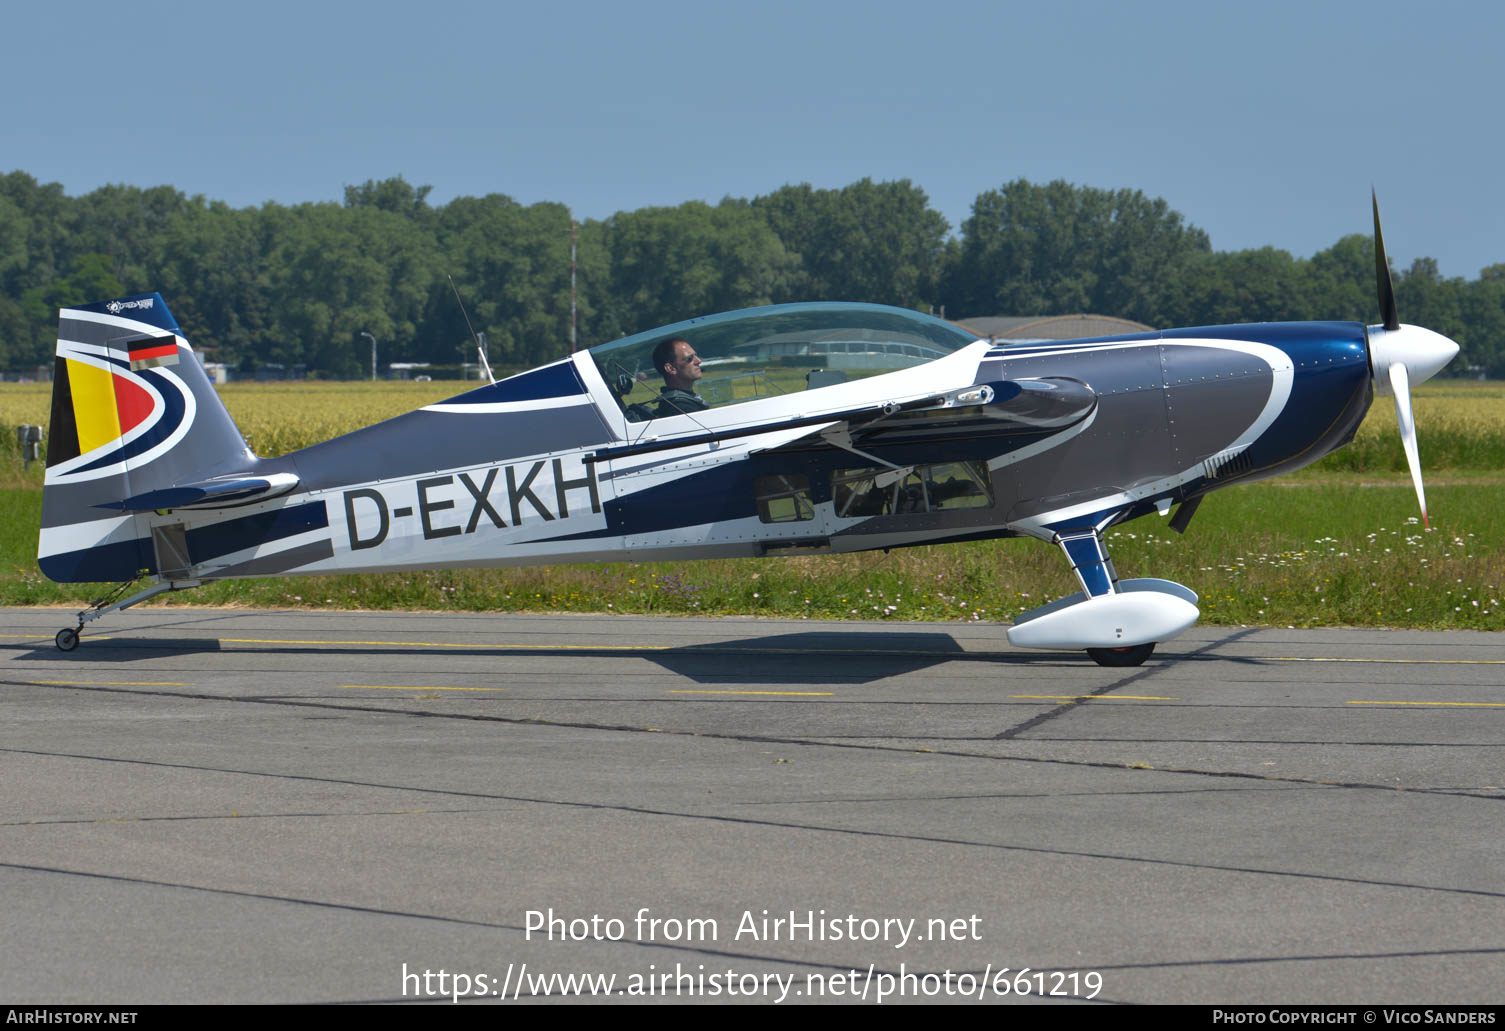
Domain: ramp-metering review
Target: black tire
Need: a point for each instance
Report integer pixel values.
(1134, 656)
(66, 639)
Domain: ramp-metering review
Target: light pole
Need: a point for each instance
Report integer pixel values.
(373, 354)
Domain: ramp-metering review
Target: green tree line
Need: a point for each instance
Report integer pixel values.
(300, 284)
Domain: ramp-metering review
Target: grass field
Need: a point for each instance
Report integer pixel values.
(1338, 544)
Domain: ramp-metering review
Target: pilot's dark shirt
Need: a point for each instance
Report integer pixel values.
(673, 401)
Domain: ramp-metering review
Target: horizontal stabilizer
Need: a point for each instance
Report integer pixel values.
(220, 492)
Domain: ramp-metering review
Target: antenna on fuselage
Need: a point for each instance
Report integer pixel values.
(480, 346)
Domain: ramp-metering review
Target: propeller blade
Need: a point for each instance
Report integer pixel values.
(1386, 288)
(1397, 354)
(1400, 385)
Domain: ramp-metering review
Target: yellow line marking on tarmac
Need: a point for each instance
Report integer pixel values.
(459, 644)
(797, 694)
(1456, 705)
(46, 637)
(1095, 697)
(1424, 662)
(416, 687)
(609, 648)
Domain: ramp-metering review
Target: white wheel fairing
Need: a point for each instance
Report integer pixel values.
(1107, 621)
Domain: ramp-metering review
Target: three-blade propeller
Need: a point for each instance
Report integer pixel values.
(1401, 355)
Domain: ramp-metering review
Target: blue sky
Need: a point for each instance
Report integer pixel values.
(1265, 124)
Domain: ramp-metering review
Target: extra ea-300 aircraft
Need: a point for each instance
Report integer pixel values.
(816, 428)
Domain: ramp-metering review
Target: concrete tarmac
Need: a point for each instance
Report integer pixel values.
(208, 805)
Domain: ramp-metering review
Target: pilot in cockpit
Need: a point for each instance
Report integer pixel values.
(678, 363)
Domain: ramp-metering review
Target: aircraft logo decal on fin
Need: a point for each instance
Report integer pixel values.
(116, 307)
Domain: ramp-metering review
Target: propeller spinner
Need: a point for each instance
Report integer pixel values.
(1400, 355)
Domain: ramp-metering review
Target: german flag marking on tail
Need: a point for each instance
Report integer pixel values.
(152, 352)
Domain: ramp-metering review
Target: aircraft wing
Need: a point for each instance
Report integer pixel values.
(998, 408)
(1002, 408)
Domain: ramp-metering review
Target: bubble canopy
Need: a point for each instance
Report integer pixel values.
(782, 348)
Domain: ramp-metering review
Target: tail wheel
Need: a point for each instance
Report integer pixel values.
(66, 639)
(1133, 656)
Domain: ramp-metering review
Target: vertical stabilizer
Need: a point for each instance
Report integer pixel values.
(132, 412)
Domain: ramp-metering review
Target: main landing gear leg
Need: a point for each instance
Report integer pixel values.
(1089, 559)
(67, 638)
(1117, 622)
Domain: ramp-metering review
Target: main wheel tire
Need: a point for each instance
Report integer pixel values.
(1119, 657)
(66, 639)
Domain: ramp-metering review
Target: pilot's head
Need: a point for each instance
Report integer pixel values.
(678, 363)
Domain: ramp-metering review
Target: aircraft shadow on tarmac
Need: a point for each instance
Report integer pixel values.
(817, 657)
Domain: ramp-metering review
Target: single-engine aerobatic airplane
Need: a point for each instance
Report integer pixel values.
(824, 428)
